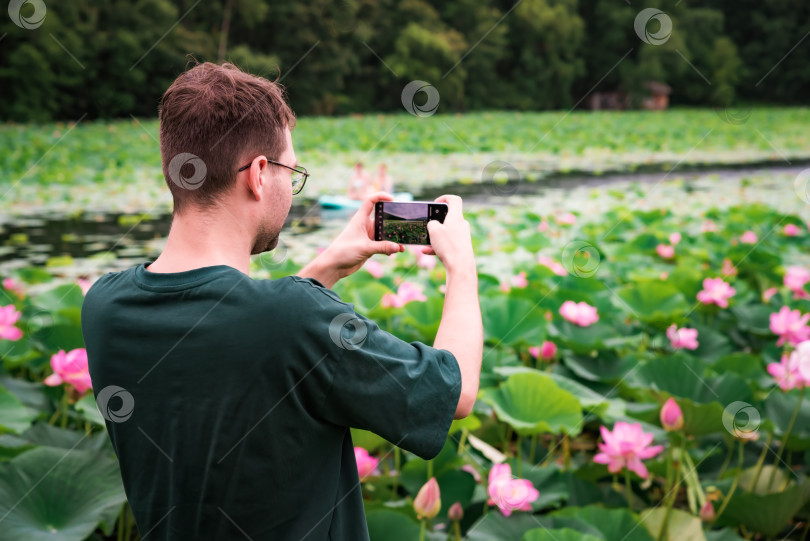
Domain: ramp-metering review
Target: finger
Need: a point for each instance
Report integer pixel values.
(385, 247)
(367, 207)
(428, 250)
(454, 204)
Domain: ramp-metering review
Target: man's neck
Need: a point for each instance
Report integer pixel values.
(195, 243)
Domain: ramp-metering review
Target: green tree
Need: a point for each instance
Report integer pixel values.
(545, 41)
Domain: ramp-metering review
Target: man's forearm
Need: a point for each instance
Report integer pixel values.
(326, 274)
(461, 333)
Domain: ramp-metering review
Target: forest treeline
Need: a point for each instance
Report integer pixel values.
(115, 58)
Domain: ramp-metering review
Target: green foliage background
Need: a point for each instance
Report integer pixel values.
(115, 58)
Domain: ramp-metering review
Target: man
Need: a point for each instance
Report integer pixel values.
(229, 400)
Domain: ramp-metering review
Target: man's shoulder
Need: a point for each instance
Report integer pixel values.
(108, 280)
(312, 289)
(303, 293)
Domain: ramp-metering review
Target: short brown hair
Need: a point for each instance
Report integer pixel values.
(212, 119)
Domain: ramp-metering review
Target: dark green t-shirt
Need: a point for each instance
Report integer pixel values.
(228, 401)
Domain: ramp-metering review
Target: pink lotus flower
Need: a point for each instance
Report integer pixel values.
(791, 230)
(625, 447)
(519, 280)
(423, 260)
(426, 261)
(548, 350)
(507, 493)
(582, 314)
(790, 326)
(543, 225)
(749, 237)
(84, 284)
(728, 268)
(795, 279)
(8, 317)
(555, 267)
(366, 464)
(664, 275)
(786, 373)
(407, 292)
(716, 291)
(428, 500)
(708, 226)
(12, 285)
(674, 238)
(801, 360)
(768, 293)
(70, 368)
(707, 512)
(671, 416)
(665, 251)
(374, 268)
(683, 338)
(566, 219)
(456, 512)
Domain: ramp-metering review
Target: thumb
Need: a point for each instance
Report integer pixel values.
(385, 247)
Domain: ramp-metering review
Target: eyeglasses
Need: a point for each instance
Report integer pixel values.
(299, 175)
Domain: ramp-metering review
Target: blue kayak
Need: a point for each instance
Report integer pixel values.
(344, 202)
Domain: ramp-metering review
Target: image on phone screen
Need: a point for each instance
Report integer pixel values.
(406, 222)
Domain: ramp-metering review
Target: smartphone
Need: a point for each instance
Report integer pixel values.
(406, 222)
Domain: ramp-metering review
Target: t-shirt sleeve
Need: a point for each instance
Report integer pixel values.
(405, 392)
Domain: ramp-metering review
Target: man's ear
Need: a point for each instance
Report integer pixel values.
(255, 181)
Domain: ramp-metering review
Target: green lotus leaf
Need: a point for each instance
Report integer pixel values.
(14, 416)
(681, 526)
(769, 513)
(563, 534)
(531, 403)
(684, 376)
(654, 301)
(582, 340)
(602, 366)
(613, 523)
(385, 525)
(509, 320)
(495, 527)
(57, 494)
(591, 401)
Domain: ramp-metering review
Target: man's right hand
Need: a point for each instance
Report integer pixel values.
(451, 241)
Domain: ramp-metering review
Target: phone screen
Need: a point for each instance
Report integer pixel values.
(406, 222)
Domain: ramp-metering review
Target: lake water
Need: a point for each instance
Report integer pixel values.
(90, 243)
